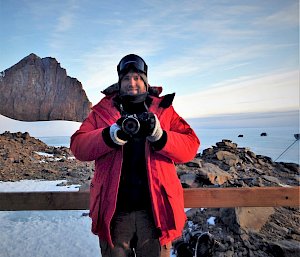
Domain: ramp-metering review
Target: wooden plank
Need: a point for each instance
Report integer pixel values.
(241, 197)
(194, 198)
(44, 201)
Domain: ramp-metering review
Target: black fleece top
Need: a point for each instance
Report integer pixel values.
(134, 193)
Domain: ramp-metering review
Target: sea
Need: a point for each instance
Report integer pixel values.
(279, 143)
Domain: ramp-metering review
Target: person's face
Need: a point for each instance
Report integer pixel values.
(132, 84)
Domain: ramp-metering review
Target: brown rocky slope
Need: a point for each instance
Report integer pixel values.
(38, 89)
(264, 231)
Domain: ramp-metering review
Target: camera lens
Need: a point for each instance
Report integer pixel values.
(131, 125)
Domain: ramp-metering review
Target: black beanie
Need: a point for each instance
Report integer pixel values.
(133, 62)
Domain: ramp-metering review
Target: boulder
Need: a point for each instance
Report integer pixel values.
(38, 89)
(228, 157)
(249, 219)
(214, 174)
(253, 218)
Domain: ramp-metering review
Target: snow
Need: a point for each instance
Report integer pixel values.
(36, 186)
(49, 156)
(211, 220)
(46, 233)
(45, 154)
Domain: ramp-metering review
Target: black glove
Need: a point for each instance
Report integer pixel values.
(148, 122)
(150, 126)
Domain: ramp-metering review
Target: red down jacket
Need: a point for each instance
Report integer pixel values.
(87, 144)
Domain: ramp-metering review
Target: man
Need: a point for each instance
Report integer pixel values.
(134, 136)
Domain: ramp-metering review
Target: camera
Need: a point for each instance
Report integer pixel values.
(133, 123)
(195, 244)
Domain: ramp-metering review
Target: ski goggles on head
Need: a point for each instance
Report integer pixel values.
(132, 60)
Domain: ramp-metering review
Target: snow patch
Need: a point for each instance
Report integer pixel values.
(45, 154)
(211, 221)
(37, 186)
(45, 233)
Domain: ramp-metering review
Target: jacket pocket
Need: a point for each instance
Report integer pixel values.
(174, 205)
(95, 205)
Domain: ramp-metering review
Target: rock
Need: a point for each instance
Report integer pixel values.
(38, 89)
(62, 184)
(292, 167)
(229, 239)
(19, 159)
(188, 180)
(248, 158)
(271, 179)
(228, 157)
(227, 144)
(277, 228)
(285, 248)
(85, 214)
(250, 219)
(196, 163)
(251, 154)
(49, 171)
(208, 151)
(191, 212)
(214, 174)
(253, 218)
(228, 218)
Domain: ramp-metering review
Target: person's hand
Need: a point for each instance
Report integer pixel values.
(152, 128)
(147, 123)
(118, 136)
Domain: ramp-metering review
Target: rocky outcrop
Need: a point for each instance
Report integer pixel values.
(243, 231)
(38, 89)
(227, 165)
(25, 157)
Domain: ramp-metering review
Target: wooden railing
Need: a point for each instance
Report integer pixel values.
(193, 198)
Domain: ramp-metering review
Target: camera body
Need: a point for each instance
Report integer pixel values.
(195, 243)
(133, 123)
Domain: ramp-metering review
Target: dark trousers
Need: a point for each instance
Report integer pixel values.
(133, 234)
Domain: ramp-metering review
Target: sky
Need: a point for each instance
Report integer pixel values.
(219, 57)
